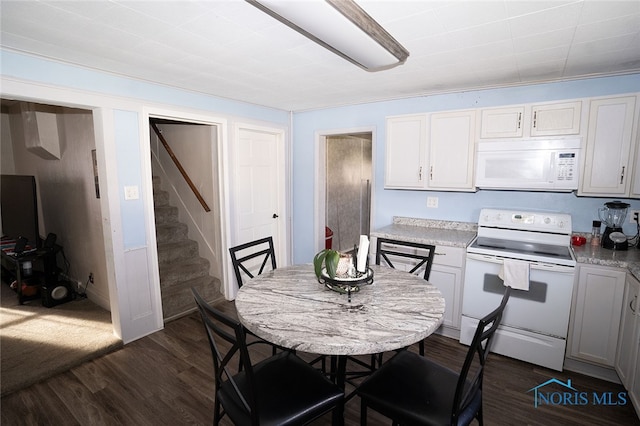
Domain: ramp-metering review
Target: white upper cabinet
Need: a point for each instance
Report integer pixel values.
(502, 122)
(444, 141)
(610, 147)
(531, 120)
(451, 151)
(405, 148)
(556, 119)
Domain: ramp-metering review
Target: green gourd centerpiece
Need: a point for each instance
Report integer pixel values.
(327, 259)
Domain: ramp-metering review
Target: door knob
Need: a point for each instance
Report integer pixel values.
(275, 216)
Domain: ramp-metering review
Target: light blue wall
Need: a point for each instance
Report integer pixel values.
(25, 67)
(129, 174)
(452, 205)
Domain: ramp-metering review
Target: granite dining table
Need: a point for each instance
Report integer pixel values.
(290, 308)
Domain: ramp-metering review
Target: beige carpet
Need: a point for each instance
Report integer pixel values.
(38, 342)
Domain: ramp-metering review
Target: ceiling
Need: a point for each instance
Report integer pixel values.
(230, 49)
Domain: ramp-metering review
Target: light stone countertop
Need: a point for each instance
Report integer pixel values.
(289, 307)
(460, 234)
(428, 231)
(629, 259)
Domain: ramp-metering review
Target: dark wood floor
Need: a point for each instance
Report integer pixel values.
(166, 379)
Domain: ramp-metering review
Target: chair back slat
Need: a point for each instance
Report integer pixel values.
(246, 258)
(389, 250)
(219, 325)
(467, 388)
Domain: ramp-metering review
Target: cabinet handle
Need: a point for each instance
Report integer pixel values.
(635, 299)
(622, 176)
(535, 114)
(420, 173)
(431, 173)
(519, 119)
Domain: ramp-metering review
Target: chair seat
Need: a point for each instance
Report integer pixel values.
(411, 389)
(284, 384)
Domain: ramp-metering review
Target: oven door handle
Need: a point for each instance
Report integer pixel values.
(498, 260)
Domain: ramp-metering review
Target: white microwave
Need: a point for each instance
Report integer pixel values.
(529, 164)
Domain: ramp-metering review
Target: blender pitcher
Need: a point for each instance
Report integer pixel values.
(613, 215)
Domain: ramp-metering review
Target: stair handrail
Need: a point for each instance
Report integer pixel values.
(179, 166)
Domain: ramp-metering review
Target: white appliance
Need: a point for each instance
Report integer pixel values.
(535, 323)
(549, 164)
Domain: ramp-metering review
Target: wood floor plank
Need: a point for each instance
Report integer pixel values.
(167, 379)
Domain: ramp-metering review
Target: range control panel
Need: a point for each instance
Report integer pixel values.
(526, 220)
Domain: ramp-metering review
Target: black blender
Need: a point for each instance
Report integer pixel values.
(613, 215)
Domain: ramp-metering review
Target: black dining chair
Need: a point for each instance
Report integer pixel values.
(279, 390)
(417, 255)
(252, 258)
(411, 389)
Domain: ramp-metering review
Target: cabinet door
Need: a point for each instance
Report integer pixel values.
(627, 342)
(635, 185)
(556, 119)
(501, 123)
(406, 140)
(606, 167)
(634, 391)
(449, 282)
(596, 315)
(451, 151)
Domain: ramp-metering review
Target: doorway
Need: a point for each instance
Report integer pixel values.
(348, 167)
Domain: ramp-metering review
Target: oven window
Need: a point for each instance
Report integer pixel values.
(537, 290)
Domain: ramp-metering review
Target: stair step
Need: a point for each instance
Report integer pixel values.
(176, 272)
(160, 198)
(178, 300)
(179, 263)
(171, 232)
(175, 251)
(166, 215)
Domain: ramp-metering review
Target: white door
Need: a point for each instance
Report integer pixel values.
(260, 189)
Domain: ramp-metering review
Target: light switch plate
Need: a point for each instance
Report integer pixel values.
(131, 193)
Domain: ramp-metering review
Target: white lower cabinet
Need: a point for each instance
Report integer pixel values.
(446, 274)
(627, 365)
(628, 341)
(595, 317)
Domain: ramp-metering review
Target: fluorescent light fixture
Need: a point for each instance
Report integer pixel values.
(341, 26)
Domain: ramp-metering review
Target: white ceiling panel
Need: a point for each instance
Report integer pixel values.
(229, 48)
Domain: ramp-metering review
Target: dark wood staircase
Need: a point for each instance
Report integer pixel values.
(180, 264)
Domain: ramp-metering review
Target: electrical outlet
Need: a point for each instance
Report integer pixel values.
(634, 216)
(79, 286)
(91, 277)
(432, 202)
